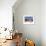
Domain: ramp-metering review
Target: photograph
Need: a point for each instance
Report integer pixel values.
(22, 22)
(28, 19)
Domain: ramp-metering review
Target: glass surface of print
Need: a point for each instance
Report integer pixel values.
(28, 19)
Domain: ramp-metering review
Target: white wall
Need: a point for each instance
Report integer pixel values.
(6, 13)
(43, 22)
(29, 7)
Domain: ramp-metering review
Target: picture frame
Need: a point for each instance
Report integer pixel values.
(28, 19)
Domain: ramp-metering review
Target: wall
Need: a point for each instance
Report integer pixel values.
(6, 13)
(43, 22)
(29, 7)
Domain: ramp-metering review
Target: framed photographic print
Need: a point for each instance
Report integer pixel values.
(28, 19)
